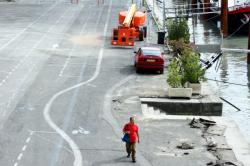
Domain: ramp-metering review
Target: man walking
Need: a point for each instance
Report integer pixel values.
(132, 130)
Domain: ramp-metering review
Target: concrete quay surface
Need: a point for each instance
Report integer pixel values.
(161, 133)
(65, 94)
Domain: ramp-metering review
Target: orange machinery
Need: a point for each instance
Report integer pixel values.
(131, 27)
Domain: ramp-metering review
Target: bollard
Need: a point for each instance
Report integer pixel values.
(194, 4)
(224, 17)
(206, 6)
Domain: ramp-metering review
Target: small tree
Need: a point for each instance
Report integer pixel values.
(179, 46)
(175, 77)
(191, 67)
(178, 29)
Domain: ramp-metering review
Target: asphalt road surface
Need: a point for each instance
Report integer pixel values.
(56, 69)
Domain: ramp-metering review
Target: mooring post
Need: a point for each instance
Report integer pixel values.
(206, 8)
(224, 17)
(194, 4)
(248, 54)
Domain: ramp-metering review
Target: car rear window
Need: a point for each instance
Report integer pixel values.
(152, 52)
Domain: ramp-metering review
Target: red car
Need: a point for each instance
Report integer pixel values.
(149, 58)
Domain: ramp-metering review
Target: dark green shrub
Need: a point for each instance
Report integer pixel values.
(175, 77)
(191, 67)
(179, 46)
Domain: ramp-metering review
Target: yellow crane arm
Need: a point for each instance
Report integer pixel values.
(130, 15)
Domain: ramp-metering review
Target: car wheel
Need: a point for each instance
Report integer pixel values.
(137, 70)
(161, 71)
(145, 31)
(141, 35)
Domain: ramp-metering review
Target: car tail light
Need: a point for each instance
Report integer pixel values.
(160, 60)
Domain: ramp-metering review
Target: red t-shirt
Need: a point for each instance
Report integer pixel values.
(133, 129)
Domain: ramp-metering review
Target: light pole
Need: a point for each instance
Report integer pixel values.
(148, 25)
(153, 6)
(164, 16)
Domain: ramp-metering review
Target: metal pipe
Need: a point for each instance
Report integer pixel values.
(194, 4)
(193, 8)
(193, 14)
(236, 50)
(230, 103)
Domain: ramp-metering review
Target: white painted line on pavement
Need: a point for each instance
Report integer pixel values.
(91, 85)
(28, 140)
(45, 132)
(20, 156)
(37, 43)
(76, 150)
(65, 64)
(3, 72)
(8, 59)
(98, 20)
(69, 76)
(31, 132)
(71, 50)
(107, 115)
(54, 143)
(20, 33)
(14, 94)
(24, 148)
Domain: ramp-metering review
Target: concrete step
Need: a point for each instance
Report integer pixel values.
(197, 107)
(151, 112)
